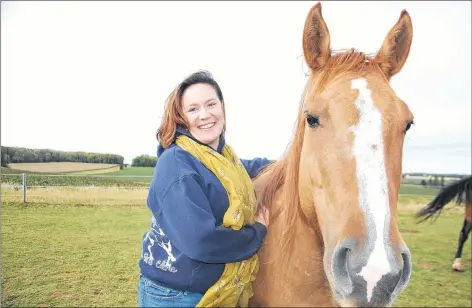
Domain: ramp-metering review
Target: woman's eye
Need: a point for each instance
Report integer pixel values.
(312, 121)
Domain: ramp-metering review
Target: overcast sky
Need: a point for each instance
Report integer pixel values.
(93, 76)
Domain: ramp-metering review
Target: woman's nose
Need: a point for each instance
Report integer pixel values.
(204, 113)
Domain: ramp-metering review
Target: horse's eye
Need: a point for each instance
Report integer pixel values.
(408, 126)
(312, 121)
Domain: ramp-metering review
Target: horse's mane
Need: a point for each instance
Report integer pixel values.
(284, 172)
(447, 194)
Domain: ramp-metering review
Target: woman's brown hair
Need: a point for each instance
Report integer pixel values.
(173, 110)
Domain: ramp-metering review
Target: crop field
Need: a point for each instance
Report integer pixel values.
(64, 167)
(13, 178)
(83, 254)
(14, 181)
(132, 176)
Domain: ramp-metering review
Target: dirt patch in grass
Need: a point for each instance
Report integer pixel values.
(424, 264)
(409, 231)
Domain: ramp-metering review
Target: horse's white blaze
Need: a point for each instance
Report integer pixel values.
(368, 151)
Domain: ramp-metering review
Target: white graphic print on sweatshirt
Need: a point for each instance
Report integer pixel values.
(156, 235)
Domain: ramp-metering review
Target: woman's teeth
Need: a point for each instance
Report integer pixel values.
(206, 126)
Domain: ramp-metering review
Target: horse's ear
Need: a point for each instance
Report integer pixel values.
(396, 46)
(316, 43)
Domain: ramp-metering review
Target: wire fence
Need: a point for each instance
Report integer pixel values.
(74, 189)
(93, 188)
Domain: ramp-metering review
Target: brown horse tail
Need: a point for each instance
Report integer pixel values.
(446, 195)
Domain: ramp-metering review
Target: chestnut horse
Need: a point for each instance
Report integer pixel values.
(461, 191)
(333, 238)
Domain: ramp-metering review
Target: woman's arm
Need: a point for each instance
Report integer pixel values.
(255, 166)
(189, 223)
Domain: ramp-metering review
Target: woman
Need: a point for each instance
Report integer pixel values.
(204, 233)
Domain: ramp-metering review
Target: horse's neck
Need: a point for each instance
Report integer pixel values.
(298, 279)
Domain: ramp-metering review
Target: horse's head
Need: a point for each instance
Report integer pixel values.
(352, 128)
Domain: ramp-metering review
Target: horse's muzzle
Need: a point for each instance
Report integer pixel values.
(376, 290)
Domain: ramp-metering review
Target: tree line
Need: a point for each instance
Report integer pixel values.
(144, 161)
(433, 182)
(447, 175)
(24, 155)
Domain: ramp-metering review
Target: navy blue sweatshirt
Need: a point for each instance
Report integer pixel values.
(186, 247)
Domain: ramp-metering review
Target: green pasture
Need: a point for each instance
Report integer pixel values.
(140, 174)
(86, 255)
(408, 189)
(134, 171)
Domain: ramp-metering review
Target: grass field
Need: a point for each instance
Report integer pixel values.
(65, 167)
(139, 171)
(407, 189)
(141, 174)
(79, 254)
(77, 196)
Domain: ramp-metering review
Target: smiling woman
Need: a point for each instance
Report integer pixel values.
(205, 113)
(205, 232)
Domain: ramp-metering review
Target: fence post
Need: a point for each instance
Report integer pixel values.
(24, 187)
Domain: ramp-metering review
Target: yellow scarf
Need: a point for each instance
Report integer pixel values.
(234, 288)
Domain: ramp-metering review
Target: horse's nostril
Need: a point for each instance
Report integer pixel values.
(340, 259)
(340, 269)
(406, 270)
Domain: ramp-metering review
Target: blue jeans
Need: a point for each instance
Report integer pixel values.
(150, 294)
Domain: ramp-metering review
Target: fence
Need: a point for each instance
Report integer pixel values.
(74, 189)
(90, 189)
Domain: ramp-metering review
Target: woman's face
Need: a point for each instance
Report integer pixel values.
(204, 113)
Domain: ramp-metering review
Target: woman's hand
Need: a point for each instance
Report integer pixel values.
(262, 216)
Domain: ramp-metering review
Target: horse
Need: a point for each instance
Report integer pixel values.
(333, 238)
(461, 191)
